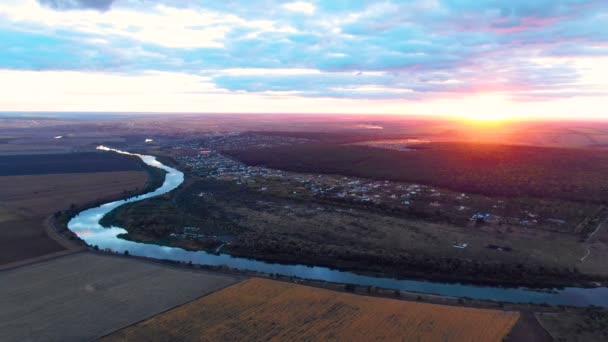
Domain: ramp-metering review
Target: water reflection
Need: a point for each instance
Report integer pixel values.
(86, 225)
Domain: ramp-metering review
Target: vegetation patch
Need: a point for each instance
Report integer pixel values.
(269, 227)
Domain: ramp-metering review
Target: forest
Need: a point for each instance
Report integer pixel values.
(488, 169)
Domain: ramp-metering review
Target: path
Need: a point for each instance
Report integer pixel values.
(590, 237)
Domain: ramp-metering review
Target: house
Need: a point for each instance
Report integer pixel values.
(480, 217)
(192, 233)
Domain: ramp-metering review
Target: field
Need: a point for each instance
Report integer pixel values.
(262, 310)
(7, 215)
(27, 201)
(66, 163)
(494, 170)
(587, 326)
(83, 296)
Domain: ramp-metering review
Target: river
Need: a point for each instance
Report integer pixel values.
(86, 225)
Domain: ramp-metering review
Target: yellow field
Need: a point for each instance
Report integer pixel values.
(259, 309)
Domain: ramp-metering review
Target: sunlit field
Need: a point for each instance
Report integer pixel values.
(266, 310)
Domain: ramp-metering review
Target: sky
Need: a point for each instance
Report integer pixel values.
(483, 59)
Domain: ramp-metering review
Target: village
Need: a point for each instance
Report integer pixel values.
(206, 160)
(239, 141)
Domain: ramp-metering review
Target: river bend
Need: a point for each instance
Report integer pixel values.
(86, 225)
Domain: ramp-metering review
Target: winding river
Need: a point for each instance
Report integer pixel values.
(86, 225)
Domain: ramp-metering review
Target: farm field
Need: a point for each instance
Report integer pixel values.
(27, 201)
(587, 326)
(7, 215)
(66, 163)
(83, 296)
(260, 309)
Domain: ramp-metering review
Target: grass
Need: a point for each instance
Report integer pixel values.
(354, 238)
(262, 310)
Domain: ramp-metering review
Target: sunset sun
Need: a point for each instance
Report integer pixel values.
(304, 170)
(486, 117)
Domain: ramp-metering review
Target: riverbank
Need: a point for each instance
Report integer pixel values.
(372, 291)
(86, 225)
(359, 266)
(265, 227)
(36, 187)
(57, 224)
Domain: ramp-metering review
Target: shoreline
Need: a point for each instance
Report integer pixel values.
(334, 274)
(417, 276)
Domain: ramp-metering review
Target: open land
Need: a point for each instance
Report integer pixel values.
(66, 163)
(534, 234)
(576, 326)
(263, 226)
(84, 296)
(375, 225)
(29, 196)
(259, 309)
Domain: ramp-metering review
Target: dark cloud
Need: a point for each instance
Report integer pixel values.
(64, 5)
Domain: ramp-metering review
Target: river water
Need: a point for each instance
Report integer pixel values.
(86, 225)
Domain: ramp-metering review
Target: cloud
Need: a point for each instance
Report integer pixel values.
(300, 6)
(100, 5)
(419, 50)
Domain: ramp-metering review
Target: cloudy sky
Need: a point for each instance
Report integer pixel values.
(479, 58)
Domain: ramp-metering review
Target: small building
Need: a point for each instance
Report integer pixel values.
(481, 217)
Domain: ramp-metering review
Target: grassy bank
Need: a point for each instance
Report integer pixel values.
(286, 230)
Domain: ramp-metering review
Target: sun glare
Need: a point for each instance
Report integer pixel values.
(486, 117)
